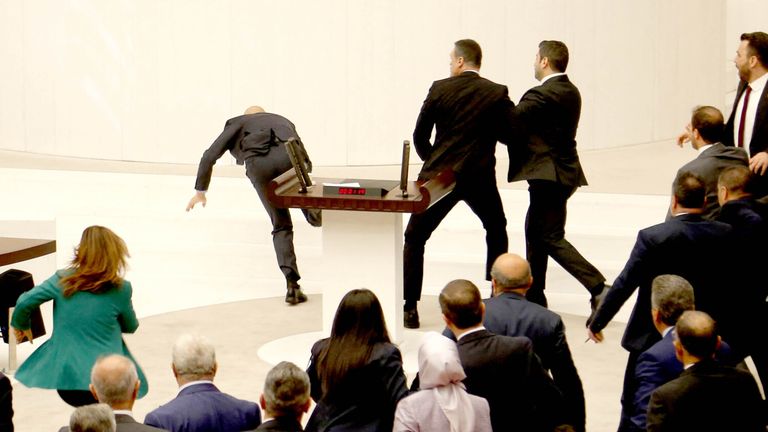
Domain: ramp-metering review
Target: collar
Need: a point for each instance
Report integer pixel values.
(192, 383)
(556, 74)
(666, 331)
(123, 412)
(474, 330)
(759, 84)
(704, 148)
(470, 70)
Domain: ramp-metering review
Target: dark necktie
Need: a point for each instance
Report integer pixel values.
(743, 116)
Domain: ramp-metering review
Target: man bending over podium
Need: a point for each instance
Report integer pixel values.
(467, 112)
(257, 139)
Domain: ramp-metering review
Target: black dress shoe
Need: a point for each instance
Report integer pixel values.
(314, 217)
(294, 295)
(411, 318)
(595, 302)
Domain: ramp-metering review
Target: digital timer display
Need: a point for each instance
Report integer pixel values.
(351, 191)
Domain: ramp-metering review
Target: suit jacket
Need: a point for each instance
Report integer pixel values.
(708, 165)
(281, 424)
(6, 404)
(656, 366)
(366, 400)
(468, 113)
(687, 246)
(759, 141)
(510, 314)
(505, 371)
(126, 423)
(88, 325)
(707, 397)
(203, 408)
(247, 136)
(421, 412)
(547, 118)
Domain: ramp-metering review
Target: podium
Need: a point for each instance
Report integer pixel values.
(362, 238)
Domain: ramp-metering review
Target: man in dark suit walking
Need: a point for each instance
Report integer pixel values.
(705, 135)
(509, 313)
(708, 396)
(548, 116)
(467, 112)
(502, 369)
(256, 140)
(681, 246)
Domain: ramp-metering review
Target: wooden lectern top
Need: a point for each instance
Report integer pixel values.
(283, 191)
(13, 250)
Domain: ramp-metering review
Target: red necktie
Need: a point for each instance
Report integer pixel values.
(743, 116)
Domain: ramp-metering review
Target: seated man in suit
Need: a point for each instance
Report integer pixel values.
(682, 246)
(6, 404)
(285, 398)
(509, 313)
(115, 382)
(92, 418)
(502, 369)
(705, 133)
(200, 406)
(707, 396)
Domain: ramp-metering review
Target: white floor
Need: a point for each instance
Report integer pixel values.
(223, 253)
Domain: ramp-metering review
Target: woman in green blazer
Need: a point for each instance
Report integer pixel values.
(91, 309)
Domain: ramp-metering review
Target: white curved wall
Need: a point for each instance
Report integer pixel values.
(155, 80)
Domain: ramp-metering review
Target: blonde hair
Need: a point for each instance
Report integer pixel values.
(98, 264)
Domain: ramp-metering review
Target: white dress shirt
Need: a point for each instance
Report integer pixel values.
(749, 120)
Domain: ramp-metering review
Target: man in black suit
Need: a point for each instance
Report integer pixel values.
(502, 369)
(747, 125)
(708, 396)
(686, 245)
(548, 116)
(705, 135)
(509, 313)
(285, 398)
(6, 404)
(256, 140)
(467, 112)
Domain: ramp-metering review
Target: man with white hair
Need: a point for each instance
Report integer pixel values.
(285, 398)
(199, 405)
(115, 382)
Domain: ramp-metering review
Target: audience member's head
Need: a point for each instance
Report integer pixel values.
(255, 109)
(671, 295)
(461, 305)
(511, 272)
(115, 382)
(358, 325)
(707, 126)
(469, 51)
(734, 183)
(194, 359)
(556, 54)
(92, 418)
(697, 337)
(688, 193)
(286, 392)
(752, 56)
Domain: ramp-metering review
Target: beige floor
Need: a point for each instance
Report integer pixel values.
(248, 315)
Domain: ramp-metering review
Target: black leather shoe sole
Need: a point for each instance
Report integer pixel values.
(411, 319)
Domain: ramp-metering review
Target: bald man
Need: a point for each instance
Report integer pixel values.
(509, 313)
(256, 139)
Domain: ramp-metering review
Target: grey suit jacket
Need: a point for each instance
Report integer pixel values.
(126, 423)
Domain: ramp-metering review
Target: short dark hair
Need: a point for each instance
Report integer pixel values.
(689, 190)
(738, 179)
(460, 302)
(708, 120)
(469, 50)
(671, 295)
(757, 46)
(697, 332)
(556, 52)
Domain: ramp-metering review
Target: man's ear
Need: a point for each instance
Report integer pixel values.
(678, 349)
(263, 402)
(93, 391)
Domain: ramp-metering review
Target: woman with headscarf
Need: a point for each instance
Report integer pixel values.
(442, 404)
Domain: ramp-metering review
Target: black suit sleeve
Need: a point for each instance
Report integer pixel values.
(567, 379)
(548, 400)
(225, 141)
(393, 378)
(423, 131)
(658, 411)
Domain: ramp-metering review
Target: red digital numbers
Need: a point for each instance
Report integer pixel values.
(351, 191)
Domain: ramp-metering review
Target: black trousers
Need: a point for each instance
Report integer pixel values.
(482, 197)
(261, 170)
(628, 394)
(545, 237)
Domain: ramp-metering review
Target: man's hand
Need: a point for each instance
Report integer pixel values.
(758, 163)
(22, 335)
(198, 198)
(684, 137)
(595, 337)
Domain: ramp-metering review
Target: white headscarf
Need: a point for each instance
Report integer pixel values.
(440, 370)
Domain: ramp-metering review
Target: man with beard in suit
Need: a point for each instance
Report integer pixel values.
(468, 113)
(548, 116)
(502, 369)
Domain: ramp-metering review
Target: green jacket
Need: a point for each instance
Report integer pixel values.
(85, 326)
